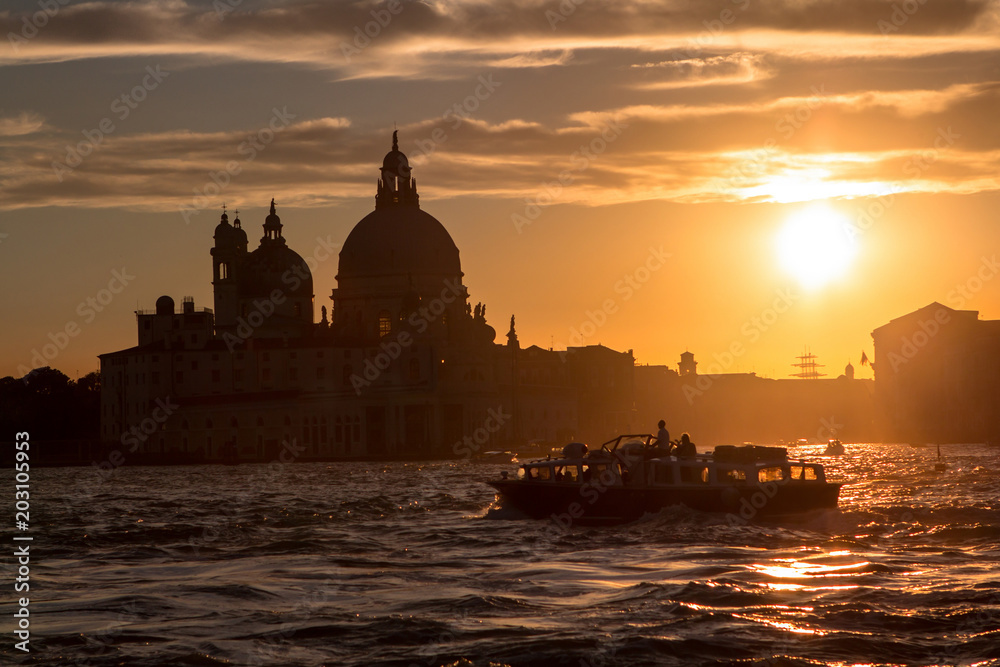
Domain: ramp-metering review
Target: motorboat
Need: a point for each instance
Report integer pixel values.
(496, 457)
(833, 448)
(632, 475)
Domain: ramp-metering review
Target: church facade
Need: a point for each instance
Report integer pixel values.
(404, 366)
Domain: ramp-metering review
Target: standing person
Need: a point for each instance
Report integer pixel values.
(663, 435)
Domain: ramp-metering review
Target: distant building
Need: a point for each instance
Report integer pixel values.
(937, 376)
(404, 366)
(731, 408)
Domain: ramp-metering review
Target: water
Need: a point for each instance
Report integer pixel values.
(404, 564)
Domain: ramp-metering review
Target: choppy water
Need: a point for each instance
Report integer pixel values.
(401, 564)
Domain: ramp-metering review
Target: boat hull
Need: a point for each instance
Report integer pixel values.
(585, 502)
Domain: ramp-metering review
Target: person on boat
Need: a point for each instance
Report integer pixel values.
(662, 445)
(686, 448)
(663, 435)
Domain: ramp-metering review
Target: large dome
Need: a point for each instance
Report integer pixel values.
(272, 267)
(399, 240)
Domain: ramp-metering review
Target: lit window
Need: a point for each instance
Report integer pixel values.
(771, 474)
(384, 323)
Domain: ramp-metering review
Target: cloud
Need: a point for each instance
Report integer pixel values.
(24, 123)
(626, 154)
(347, 35)
(700, 86)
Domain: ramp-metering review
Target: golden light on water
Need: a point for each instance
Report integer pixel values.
(814, 246)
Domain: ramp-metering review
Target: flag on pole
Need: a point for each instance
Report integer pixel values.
(864, 359)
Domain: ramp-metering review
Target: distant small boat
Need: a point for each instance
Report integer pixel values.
(496, 457)
(940, 466)
(834, 448)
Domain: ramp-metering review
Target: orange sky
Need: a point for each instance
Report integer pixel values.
(686, 136)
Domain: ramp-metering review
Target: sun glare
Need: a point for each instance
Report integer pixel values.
(814, 246)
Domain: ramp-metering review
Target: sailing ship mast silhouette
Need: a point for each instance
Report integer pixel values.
(807, 362)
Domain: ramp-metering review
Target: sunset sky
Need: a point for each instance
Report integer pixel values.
(776, 175)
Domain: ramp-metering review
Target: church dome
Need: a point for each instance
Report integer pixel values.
(271, 267)
(399, 240)
(275, 266)
(396, 163)
(225, 234)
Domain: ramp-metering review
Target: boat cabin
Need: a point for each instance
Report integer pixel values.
(637, 462)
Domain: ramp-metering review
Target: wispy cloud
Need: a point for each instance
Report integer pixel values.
(21, 124)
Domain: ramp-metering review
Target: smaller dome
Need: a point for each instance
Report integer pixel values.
(224, 231)
(272, 223)
(395, 161)
(164, 305)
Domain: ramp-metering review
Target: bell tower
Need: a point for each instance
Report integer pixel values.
(227, 259)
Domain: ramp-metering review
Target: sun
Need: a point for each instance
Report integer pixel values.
(814, 246)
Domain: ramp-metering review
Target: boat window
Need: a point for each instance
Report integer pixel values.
(796, 472)
(662, 474)
(520, 473)
(543, 473)
(771, 474)
(570, 474)
(695, 474)
(732, 475)
(810, 472)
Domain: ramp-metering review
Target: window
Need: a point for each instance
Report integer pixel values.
(810, 473)
(155, 377)
(178, 376)
(216, 375)
(293, 373)
(732, 475)
(414, 370)
(320, 373)
(194, 365)
(663, 474)
(771, 474)
(694, 474)
(570, 474)
(384, 324)
(224, 271)
(348, 371)
(298, 310)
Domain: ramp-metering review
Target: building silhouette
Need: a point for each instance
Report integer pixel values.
(732, 408)
(404, 366)
(937, 376)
